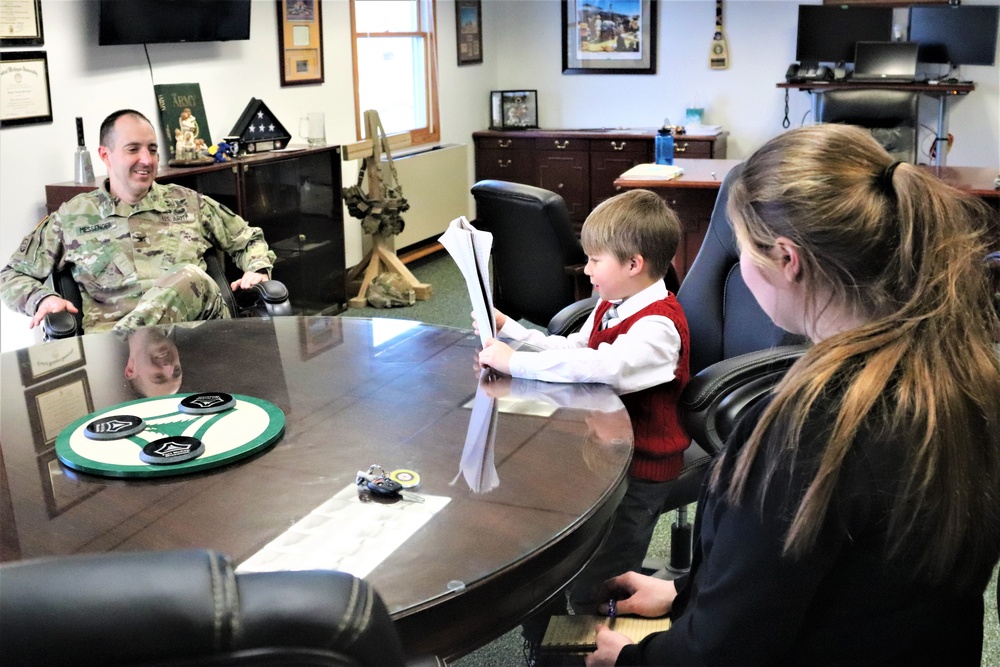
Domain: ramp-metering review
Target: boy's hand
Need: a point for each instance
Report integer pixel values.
(496, 355)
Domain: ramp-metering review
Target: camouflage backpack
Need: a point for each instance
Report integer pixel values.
(390, 290)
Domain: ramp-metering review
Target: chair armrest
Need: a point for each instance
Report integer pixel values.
(269, 298)
(59, 325)
(572, 317)
(715, 399)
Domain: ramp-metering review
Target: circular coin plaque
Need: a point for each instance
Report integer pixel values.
(248, 426)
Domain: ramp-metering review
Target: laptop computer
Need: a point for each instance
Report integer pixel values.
(885, 61)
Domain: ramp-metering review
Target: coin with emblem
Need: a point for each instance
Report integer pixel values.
(407, 479)
(114, 427)
(207, 403)
(172, 450)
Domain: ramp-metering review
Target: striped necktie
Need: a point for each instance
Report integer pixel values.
(610, 314)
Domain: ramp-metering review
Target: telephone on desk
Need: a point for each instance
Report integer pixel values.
(808, 72)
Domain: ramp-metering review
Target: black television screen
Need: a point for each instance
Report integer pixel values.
(828, 33)
(962, 35)
(158, 21)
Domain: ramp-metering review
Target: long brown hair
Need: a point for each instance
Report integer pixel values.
(904, 253)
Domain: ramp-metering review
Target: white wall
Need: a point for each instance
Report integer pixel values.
(522, 49)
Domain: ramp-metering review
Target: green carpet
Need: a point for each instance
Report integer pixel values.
(450, 306)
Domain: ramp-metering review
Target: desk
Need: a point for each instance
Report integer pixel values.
(354, 392)
(693, 196)
(942, 91)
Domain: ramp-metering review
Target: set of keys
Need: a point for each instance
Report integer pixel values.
(392, 485)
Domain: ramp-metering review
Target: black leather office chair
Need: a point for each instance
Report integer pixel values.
(189, 608)
(537, 258)
(265, 299)
(890, 115)
(725, 322)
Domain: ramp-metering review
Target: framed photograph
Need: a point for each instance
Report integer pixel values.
(609, 36)
(319, 334)
(54, 405)
(469, 31)
(24, 88)
(60, 486)
(21, 23)
(513, 109)
(41, 362)
(300, 42)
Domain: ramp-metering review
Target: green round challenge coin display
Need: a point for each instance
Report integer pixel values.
(249, 426)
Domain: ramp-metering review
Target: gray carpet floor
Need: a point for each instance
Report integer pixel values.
(449, 306)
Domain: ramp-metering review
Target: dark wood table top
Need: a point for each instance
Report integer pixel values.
(524, 505)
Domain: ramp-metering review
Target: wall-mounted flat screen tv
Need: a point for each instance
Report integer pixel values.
(161, 21)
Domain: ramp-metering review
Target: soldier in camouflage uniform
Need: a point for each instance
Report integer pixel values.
(136, 247)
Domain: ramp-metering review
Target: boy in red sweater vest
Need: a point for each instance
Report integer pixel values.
(635, 340)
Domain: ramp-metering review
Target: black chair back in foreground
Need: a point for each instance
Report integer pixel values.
(188, 607)
(537, 258)
(890, 115)
(266, 299)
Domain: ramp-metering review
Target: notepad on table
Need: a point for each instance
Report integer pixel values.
(576, 633)
(652, 172)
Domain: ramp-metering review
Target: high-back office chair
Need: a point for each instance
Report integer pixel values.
(890, 115)
(725, 323)
(190, 608)
(537, 258)
(266, 299)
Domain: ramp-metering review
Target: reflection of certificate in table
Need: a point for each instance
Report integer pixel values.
(24, 87)
(19, 18)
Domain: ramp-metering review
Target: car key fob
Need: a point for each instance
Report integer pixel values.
(384, 486)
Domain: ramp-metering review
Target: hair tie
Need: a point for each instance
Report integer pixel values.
(885, 179)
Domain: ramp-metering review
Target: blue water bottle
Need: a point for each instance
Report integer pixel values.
(665, 145)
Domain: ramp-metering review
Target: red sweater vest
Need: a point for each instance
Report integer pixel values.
(660, 438)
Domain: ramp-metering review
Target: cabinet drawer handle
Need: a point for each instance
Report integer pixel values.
(504, 143)
(618, 146)
(561, 145)
(503, 164)
(680, 148)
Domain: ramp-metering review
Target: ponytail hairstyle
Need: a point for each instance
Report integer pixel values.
(897, 249)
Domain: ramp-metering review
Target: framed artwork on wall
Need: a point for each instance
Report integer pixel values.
(609, 36)
(300, 42)
(469, 31)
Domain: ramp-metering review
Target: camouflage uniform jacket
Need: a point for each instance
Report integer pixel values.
(118, 250)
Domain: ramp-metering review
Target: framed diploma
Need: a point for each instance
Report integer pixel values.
(41, 362)
(21, 23)
(24, 88)
(54, 405)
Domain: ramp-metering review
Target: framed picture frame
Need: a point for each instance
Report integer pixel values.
(60, 486)
(319, 334)
(300, 42)
(24, 88)
(609, 36)
(469, 31)
(513, 109)
(21, 23)
(42, 362)
(54, 405)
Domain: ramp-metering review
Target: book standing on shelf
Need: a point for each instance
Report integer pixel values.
(183, 119)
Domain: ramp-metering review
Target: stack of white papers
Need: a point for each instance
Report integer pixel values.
(470, 248)
(652, 172)
(703, 130)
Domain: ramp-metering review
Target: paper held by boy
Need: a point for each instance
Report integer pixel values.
(470, 248)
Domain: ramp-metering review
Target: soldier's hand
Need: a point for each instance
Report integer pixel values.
(51, 304)
(249, 279)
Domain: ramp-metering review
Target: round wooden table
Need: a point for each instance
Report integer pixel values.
(520, 479)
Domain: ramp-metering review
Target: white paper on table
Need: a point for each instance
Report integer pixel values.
(470, 248)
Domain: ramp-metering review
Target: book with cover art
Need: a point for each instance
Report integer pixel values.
(184, 121)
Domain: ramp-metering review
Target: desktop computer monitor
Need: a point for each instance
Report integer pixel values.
(962, 35)
(828, 33)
